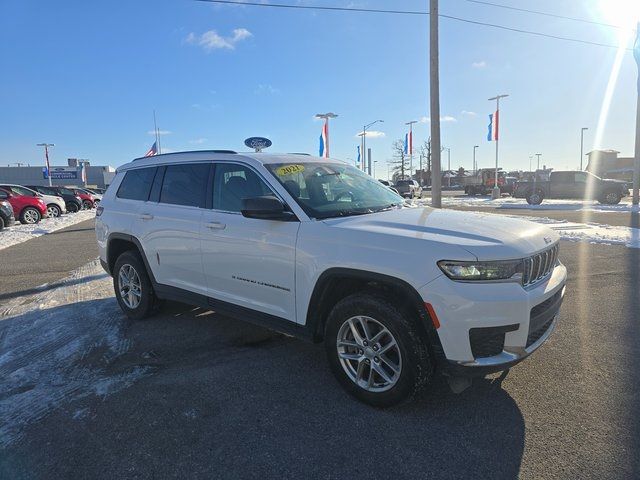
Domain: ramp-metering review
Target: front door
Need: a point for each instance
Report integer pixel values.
(247, 262)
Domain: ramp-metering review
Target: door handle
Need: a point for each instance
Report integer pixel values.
(216, 226)
(146, 216)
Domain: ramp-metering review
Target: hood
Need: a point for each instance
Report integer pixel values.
(614, 180)
(484, 235)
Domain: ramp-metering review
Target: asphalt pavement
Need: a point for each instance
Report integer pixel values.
(223, 399)
(46, 259)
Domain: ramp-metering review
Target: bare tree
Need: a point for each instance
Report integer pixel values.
(425, 154)
(400, 161)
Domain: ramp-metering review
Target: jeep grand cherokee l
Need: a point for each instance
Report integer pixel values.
(317, 249)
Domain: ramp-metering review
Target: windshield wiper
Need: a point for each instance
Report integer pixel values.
(345, 213)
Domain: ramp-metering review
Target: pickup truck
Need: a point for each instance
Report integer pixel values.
(572, 184)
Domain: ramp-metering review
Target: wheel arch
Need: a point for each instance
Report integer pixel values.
(117, 244)
(337, 283)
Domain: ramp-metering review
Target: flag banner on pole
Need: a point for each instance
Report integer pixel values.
(323, 151)
(83, 172)
(494, 122)
(153, 150)
(406, 144)
(358, 155)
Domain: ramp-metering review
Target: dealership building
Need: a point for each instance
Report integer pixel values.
(70, 175)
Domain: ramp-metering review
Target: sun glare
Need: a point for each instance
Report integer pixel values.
(624, 13)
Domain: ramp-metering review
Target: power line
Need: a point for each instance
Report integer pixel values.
(546, 14)
(415, 12)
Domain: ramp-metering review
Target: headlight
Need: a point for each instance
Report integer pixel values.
(482, 271)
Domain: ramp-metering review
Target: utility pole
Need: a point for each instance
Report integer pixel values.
(474, 166)
(410, 145)
(530, 158)
(326, 117)
(496, 189)
(46, 157)
(582, 145)
(636, 163)
(364, 146)
(538, 155)
(434, 78)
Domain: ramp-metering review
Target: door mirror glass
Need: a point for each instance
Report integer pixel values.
(265, 208)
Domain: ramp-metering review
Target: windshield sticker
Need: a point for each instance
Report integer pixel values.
(289, 170)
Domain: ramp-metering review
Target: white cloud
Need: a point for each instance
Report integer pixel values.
(160, 132)
(446, 118)
(266, 89)
(198, 141)
(211, 40)
(480, 64)
(467, 113)
(372, 134)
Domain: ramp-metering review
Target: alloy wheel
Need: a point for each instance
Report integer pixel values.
(129, 286)
(369, 354)
(31, 216)
(53, 211)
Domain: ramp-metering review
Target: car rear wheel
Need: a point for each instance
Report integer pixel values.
(611, 198)
(132, 286)
(376, 351)
(535, 197)
(53, 211)
(30, 216)
(87, 204)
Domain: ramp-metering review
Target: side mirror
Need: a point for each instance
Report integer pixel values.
(266, 208)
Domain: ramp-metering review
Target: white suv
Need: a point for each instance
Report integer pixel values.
(317, 249)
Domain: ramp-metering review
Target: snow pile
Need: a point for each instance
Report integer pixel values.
(519, 203)
(19, 233)
(60, 346)
(590, 232)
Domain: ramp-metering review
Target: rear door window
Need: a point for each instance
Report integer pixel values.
(185, 184)
(136, 184)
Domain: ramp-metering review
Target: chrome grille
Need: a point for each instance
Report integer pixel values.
(540, 265)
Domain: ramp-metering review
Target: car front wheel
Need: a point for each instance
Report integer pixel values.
(535, 197)
(87, 204)
(30, 216)
(376, 351)
(72, 207)
(132, 286)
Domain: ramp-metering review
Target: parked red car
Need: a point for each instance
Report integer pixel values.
(28, 210)
(88, 201)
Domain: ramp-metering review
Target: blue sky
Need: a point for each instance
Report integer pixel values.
(87, 76)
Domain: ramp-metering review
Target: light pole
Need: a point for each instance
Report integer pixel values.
(636, 163)
(374, 168)
(538, 155)
(495, 193)
(364, 145)
(46, 157)
(448, 165)
(410, 145)
(326, 117)
(582, 145)
(474, 166)
(434, 105)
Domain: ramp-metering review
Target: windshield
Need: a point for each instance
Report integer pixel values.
(326, 190)
(403, 183)
(65, 191)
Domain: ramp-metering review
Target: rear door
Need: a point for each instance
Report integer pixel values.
(168, 225)
(561, 185)
(248, 262)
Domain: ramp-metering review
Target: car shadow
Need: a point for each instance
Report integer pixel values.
(190, 393)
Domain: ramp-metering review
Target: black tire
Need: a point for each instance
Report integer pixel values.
(54, 210)
(416, 365)
(87, 204)
(72, 207)
(147, 299)
(1, 223)
(30, 216)
(535, 197)
(610, 198)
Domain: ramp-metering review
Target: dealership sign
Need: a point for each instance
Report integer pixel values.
(61, 173)
(257, 143)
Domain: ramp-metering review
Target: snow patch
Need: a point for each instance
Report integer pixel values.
(519, 203)
(59, 346)
(19, 233)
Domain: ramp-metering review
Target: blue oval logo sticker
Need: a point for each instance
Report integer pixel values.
(258, 143)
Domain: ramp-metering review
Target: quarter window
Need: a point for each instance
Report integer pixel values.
(185, 184)
(235, 182)
(136, 184)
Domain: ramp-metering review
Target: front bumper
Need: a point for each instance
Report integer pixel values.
(489, 327)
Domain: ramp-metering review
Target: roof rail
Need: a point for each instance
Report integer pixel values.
(190, 151)
(298, 153)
